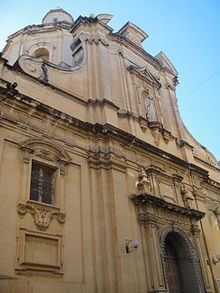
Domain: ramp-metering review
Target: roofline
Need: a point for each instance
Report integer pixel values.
(134, 26)
(25, 30)
(83, 19)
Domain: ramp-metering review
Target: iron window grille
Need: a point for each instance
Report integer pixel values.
(42, 183)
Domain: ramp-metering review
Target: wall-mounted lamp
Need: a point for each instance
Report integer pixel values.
(131, 245)
(216, 259)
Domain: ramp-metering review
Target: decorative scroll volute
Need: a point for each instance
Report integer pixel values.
(42, 215)
(33, 66)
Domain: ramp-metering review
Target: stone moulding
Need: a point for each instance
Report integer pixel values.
(193, 253)
(42, 214)
(26, 260)
(144, 199)
(175, 228)
(33, 66)
(46, 150)
(108, 161)
(96, 39)
(99, 128)
(145, 75)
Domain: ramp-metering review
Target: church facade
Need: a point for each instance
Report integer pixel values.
(102, 187)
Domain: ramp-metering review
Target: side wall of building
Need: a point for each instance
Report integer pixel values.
(79, 242)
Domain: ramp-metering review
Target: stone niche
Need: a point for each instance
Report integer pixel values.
(39, 251)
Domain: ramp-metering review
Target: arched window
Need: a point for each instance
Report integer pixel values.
(42, 53)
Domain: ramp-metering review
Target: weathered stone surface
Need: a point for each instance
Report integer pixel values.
(102, 114)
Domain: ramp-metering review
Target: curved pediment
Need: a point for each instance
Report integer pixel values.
(45, 149)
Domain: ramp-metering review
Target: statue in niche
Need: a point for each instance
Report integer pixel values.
(150, 109)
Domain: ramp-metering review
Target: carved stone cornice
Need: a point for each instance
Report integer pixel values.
(107, 161)
(177, 178)
(212, 183)
(183, 143)
(153, 169)
(97, 128)
(145, 199)
(41, 213)
(169, 86)
(95, 38)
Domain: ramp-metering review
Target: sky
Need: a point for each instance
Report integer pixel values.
(187, 31)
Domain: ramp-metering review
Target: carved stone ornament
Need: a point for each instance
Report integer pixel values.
(156, 129)
(144, 200)
(46, 150)
(45, 154)
(33, 66)
(188, 197)
(211, 160)
(192, 251)
(145, 74)
(150, 109)
(166, 136)
(143, 124)
(157, 135)
(175, 228)
(95, 38)
(143, 184)
(42, 215)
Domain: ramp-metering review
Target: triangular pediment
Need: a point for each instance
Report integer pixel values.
(145, 74)
(165, 62)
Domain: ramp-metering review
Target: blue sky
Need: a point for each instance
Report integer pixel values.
(188, 32)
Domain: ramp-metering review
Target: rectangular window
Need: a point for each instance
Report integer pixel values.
(42, 183)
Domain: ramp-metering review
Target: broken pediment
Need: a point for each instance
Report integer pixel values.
(105, 18)
(133, 33)
(165, 62)
(145, 74)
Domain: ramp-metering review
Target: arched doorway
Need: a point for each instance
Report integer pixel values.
(173, 267)
(181, 262)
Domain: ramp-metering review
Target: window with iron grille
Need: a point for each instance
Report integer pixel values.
(42, 183)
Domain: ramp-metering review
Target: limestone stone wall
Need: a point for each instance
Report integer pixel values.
(124, 166)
